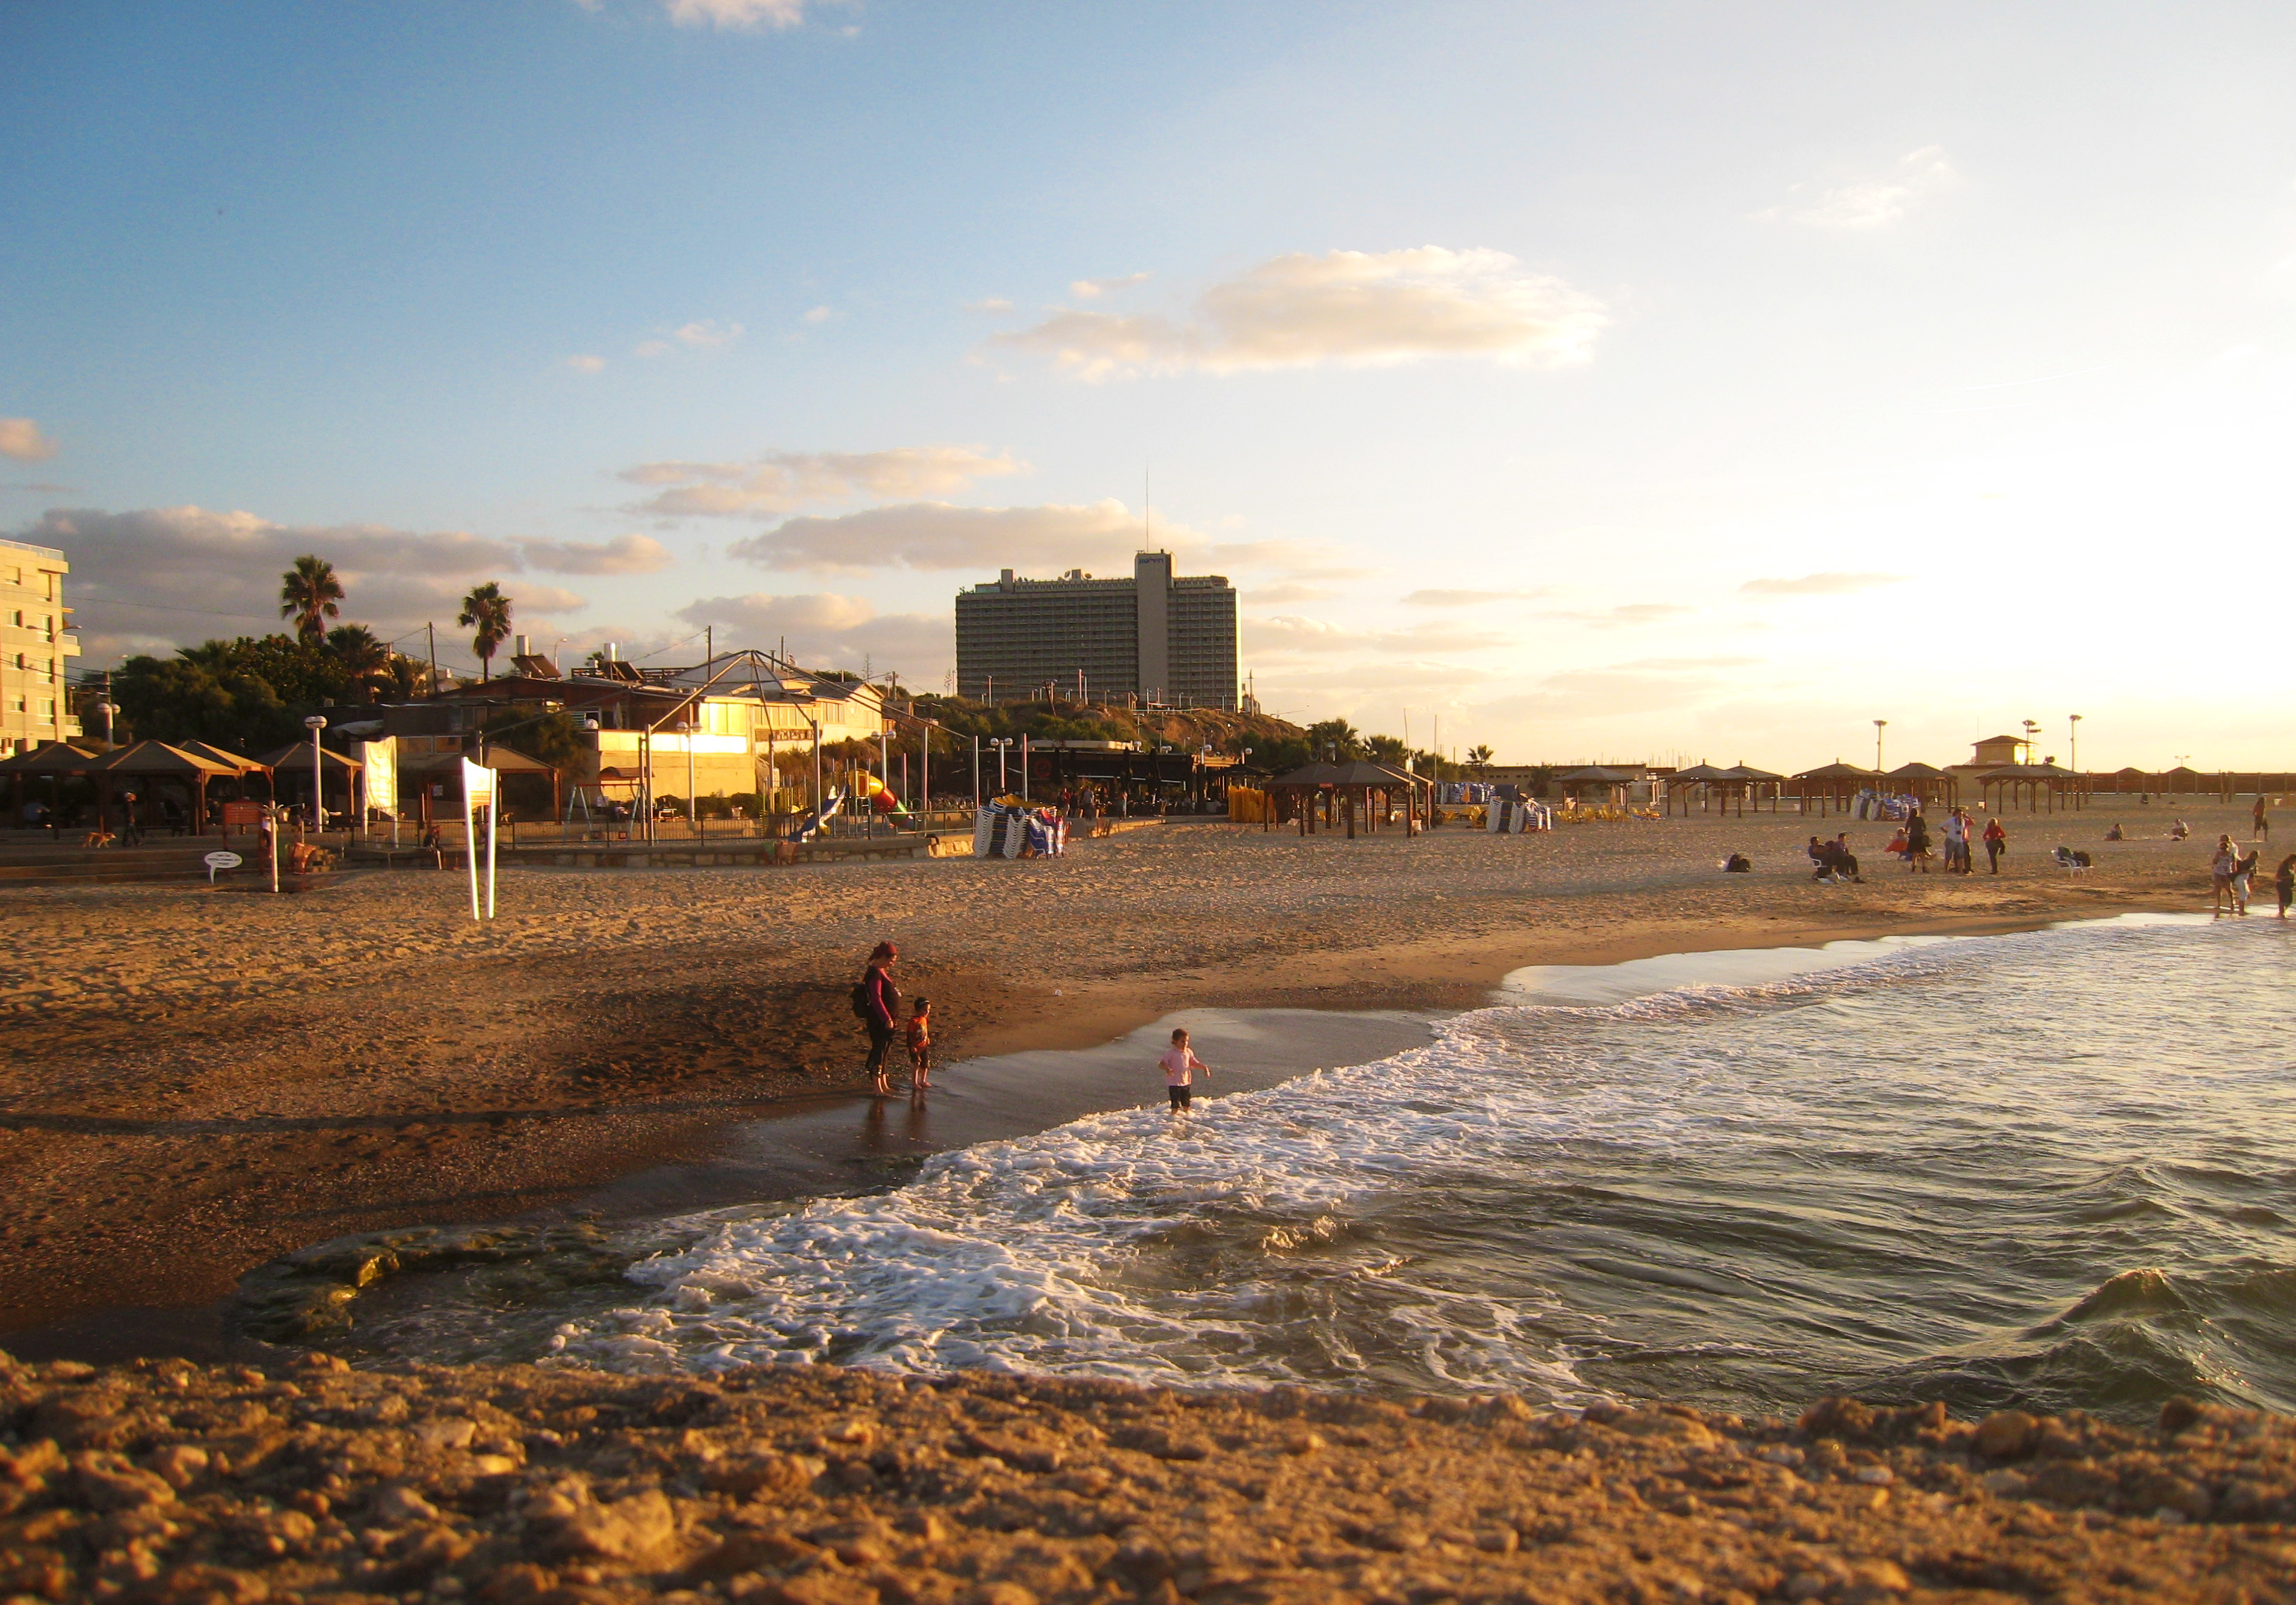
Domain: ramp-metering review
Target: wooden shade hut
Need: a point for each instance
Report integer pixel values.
(502, 760)
(1751, 783)
(1709, 782)
(1926, 783)
(2006, 784)
(1606, 785)
(1336, 788)
(153, 762)
(1833, 787)
(2185, 782)
(295, 758)
(55, 760)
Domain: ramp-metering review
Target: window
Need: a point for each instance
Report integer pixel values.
(47, 707)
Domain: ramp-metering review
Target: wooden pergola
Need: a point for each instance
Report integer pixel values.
(296, 756)
(150, 761)
(1336, 788)
(1926, 784)
(1751, 782)
(1834, 786)
(1610, 783)
(2063, 788)
(1708, 779)
(55, 759)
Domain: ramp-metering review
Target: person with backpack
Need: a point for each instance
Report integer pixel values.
(877, 1003)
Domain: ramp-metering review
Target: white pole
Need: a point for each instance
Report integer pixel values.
(976, 775)
(470, 847)
(494, 813)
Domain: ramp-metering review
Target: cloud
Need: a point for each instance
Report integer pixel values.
(1821, 584)
(1297, 560)
(1467, 599)
(586, 364)
(706, 334)
(1092, 289)
(20, 438)
(41, 488)
(739, 15)
(624, 555)
(935, 535)
(1291, 634)
(1277, 595)
(163, 576)
(820, 314)
(1355, 308)
(1632, 613)
(781, 482)
(823, 627)
(1872, 202)
(995, 303)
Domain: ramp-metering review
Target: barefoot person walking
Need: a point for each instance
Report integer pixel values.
(878, 1001)
(1180, 1062)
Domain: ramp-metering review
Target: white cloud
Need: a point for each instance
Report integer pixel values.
(20, 438)
(624, 555)
(1871, 202)
(586, 364)
(1466, 599)
(1286, 592)
(820, 314)
(1092, 289)
(742, 15)
(1356, 308)
(1288, 635)
(995, 303)
(781, 482)
(183, 574)
(1632, 613)
(704, 334)
(935, 535)
(1821, 584)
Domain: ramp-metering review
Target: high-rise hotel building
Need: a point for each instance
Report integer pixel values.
(1160, 637)
(35, 639)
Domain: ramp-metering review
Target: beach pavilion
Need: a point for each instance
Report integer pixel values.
(1926, 783)
(1339, 788)
(1833, 787)
(295, 758)
(153, 763)
(1708, 779)
(55, 760)
(1750, 780)
(2064, 788)
(1604, 785)
(503, 761)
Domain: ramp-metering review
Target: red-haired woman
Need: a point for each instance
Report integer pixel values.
(881, 1009)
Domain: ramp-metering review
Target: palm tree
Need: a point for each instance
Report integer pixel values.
(366, 659)
(486, 611)
(1479, 758)
(310, 594)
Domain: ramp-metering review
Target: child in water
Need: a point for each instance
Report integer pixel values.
(2283, 882)
(920, 1045)
(1179, 1063)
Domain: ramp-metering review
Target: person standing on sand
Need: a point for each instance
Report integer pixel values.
(2262, 820)
(1179, 1063)
(1917, 842)
(2283, 882)
(1996, 842)
(1957, 843)
(920, 1046)
(881, 1008)
(2244, 867)
(2221, 868)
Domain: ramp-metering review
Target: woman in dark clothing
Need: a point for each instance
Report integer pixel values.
(1917, 843)
(882, 1000)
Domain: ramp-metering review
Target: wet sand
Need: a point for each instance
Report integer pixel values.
(195, 1084)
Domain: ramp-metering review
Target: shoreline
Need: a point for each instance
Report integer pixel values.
(230, 1084)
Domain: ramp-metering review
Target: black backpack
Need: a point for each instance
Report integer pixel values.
(861, 1010)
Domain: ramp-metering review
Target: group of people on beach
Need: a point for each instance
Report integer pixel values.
(2231, 870)
(877, 1000)
(1834, 863)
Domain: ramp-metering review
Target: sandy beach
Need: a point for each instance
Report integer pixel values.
(196, 1083)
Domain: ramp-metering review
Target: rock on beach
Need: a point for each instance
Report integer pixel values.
(167, 1481)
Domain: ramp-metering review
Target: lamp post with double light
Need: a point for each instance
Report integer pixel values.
(315, 724)
(1000, 742)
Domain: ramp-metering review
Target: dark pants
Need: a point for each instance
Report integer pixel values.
(1178, 1096)
(880, 1042)
(1993, 856)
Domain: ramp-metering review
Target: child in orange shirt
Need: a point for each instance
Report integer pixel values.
(920, 1045)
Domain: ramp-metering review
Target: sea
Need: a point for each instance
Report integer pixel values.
(2055, 1169)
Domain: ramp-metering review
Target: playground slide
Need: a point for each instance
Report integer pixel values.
(809, 825)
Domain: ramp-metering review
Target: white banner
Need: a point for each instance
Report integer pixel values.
(478, 792)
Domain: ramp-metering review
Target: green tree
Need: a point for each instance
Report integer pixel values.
(365, 660)
(310, 594)
(1386, 749)
(1479, 758)
(1334, 738)
(486, 612)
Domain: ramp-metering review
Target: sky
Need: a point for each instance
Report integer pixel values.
(1657, 381)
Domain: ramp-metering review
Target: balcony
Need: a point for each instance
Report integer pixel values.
(68, 644)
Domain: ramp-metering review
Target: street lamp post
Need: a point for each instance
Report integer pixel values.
(315, 724)
(1000, 742)
(1878, 727)
(2031, 726)
(2072, 743)
(693, 803)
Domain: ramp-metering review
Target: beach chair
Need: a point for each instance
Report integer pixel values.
(2072, 863)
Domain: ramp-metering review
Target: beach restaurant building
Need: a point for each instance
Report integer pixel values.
(715, 729)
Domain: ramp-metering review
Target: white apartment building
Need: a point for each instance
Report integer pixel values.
(35, 639)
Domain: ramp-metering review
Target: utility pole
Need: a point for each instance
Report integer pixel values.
(433, 630)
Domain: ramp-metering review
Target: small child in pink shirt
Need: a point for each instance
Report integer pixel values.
(1179, 1062)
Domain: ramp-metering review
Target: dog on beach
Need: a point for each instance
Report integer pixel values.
(98, 838)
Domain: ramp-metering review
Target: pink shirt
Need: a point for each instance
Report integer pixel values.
(1178, 1062)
